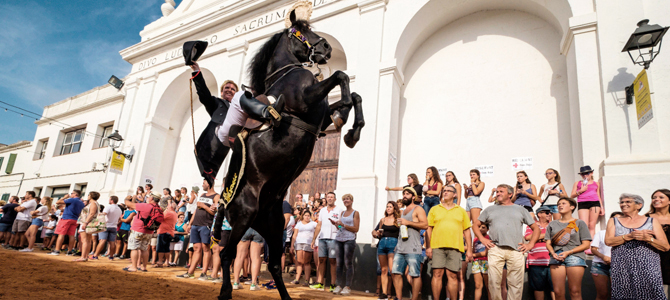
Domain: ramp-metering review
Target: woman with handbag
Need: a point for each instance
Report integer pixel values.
(566, 239)
(551, 191)
(388, 238)
(90, 224)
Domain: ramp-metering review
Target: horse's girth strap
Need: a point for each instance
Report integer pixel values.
(295, 121)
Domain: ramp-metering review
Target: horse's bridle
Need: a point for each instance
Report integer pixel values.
(297, 34)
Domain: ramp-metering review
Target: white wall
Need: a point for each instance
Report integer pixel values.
(488, 87)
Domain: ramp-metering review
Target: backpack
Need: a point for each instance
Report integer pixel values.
(151, 221)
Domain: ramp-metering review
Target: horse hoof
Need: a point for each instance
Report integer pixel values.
(337, 121)
(349, 139)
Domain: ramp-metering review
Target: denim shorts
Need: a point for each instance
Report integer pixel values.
(37, 221)
(554, 208)
(473, 202)
(109, 234)
(5, 227)
(200, 234)
(429, 202)
(403, 260)
(252, 235)
(539, 278)
(386, 246)
(598, 268)
(328, 248)
(570, 261)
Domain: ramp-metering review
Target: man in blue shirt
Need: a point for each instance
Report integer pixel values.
(68, 223)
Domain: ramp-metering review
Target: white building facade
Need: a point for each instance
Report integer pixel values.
(455, 84)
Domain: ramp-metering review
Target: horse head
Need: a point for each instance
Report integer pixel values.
(306, 45)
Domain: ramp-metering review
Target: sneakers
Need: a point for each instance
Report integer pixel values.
(253, 287)
(45, 249)
(249, 280)
(382, 296)
(236, 286)
(217, 280)
(205, 277)
(186, 275)
(54, 253)
(332, 288)
(317, 286)
(93, 257)
(122, 257)
(26, 250)
(296, 282)
(70, 253)
(337, 290)
(345, 291)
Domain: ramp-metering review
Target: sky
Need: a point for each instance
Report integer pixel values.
(52, 50)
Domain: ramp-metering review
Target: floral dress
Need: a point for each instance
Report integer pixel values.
(636, 267)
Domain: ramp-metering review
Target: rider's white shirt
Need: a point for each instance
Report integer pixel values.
(235, 116)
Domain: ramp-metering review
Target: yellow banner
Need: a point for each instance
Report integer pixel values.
(116, 166)
(642, 99)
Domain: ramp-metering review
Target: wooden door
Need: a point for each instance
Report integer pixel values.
(320, 175)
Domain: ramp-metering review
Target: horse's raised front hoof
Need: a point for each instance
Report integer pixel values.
(351, 138)
(338, 121)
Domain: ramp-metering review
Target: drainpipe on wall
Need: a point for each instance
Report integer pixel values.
(20, 182)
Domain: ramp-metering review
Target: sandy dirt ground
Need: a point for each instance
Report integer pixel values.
(37, 275)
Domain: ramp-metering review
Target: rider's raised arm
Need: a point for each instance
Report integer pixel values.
(210, 102)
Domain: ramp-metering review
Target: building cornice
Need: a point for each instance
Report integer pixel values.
(371, 5)
(16, 146)
(578, 25)
(94, 105)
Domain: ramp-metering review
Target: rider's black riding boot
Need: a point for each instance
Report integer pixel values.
(259, 111)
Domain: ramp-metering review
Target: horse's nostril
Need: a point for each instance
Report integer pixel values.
(326, 45)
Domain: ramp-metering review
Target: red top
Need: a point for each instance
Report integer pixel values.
(169, 220)
(539, 255)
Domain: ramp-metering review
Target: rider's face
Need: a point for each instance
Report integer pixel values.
(228, 92)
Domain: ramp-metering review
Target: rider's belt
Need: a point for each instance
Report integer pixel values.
(292, 120)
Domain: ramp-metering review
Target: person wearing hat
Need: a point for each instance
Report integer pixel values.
(635, 240)
(539, 276)
(589, 203)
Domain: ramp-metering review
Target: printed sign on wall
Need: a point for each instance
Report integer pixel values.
(485, 170)
(522, 163)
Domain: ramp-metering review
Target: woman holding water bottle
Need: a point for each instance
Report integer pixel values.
(587, 192)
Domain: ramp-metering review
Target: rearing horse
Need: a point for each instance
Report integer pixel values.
(275, 158)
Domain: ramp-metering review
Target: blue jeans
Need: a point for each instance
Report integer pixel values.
(386, 245)
(345, 260)
(429, 202)
(403, 260)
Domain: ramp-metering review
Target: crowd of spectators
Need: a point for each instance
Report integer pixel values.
(500, 243)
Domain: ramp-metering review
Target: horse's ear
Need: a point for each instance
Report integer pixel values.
(292, 17)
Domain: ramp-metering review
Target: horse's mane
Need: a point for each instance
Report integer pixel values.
(258, 67)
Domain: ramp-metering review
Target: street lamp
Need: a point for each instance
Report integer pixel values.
(115, 140)
(645, 37)
(115, 82)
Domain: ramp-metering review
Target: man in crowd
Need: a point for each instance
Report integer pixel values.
(408, 252)
(448, 225)
(326, 232)
(23, 220)
(539, 275)
(166, 232)
(506, 245)
(288, 212)
(68, 223)
(8, 217)
(113, 213)
(200, 225)
(140, 236)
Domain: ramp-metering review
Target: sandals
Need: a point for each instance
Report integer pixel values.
(81, 260)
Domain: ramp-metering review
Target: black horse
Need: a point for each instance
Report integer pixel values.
(278, 156)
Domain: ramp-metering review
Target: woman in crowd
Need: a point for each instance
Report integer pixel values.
(303, 233)
(452, 181)
(552, 191)
(587, 192)
(139, 195)
(525, 192)
(566, 239)
(413, 182)
(183, 201)
(635, 241)
(480, 264)
(473, 205)
(88, 213)
(124, 231)
(348, 225)
(49, 229)
(40, 216)
(432, 189)
(660, 211)
(388, 239)
(602, 258)
(178, 243)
